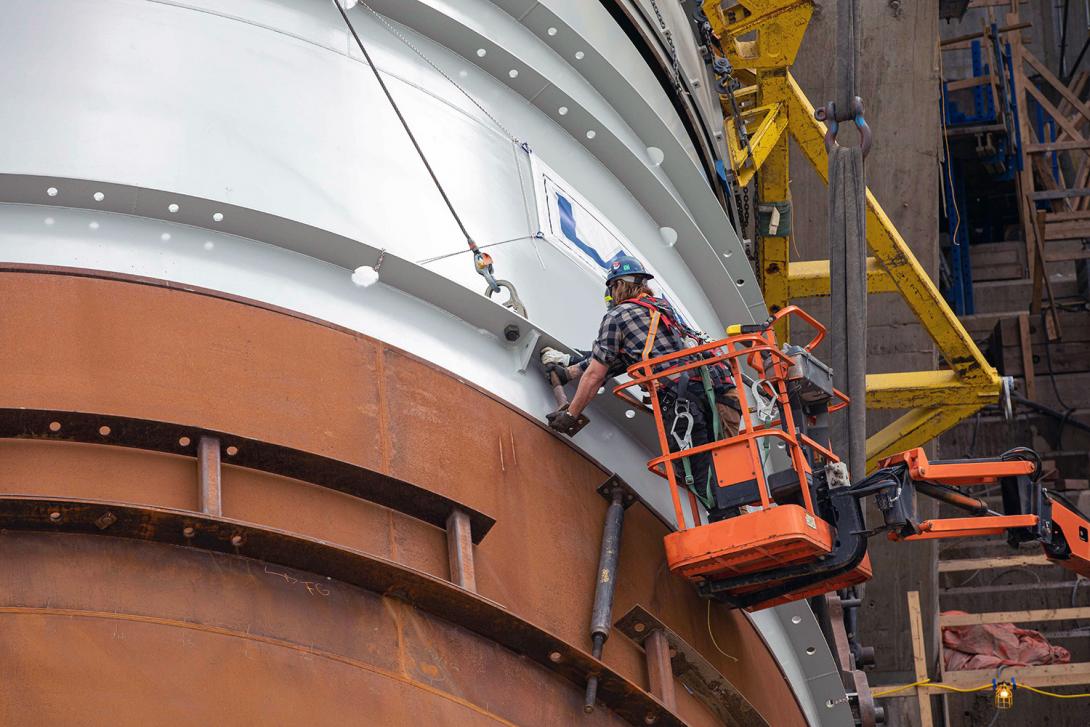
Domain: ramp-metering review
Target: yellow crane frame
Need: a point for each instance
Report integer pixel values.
(777, 110)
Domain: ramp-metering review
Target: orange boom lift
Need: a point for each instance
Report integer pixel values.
(781, 521)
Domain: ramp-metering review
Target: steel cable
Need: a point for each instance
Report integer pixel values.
(405, 125)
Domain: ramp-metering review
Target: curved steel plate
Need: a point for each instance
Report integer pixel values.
(432, 595)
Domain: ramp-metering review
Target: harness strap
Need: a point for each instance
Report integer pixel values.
(652, 331)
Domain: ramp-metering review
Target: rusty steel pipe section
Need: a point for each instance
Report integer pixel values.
(601, 618)
(460, 551)
(660, 671)
(210, 476)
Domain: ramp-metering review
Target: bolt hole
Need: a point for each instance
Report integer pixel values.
(810, 650)
(740, 282)
(563, 111)
(54, 426)
(591, 134)
(232, 451)
(830, 703)
(728, 253)
(580, 55)
(796, 620)
(173, 208)
(184, 441)
(104, 430)
(217, 217)
(52, 191)
(630, 413)
(99, 196)
(551, 31)
(513, 73)
(481, 52)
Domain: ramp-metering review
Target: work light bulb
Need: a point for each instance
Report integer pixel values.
(1004, 696)
(365, 276)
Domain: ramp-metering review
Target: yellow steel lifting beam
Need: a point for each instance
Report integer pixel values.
(936, 400)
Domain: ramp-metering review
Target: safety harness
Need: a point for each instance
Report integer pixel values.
(682, 427)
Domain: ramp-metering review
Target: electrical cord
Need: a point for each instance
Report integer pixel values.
(712, 635)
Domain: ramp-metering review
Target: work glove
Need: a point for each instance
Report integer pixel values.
(563, 422)
(561, 373)
(552, 357)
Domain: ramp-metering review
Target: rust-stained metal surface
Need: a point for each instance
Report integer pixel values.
(248, 374)
(273, 547)
(87, 427)
(692, 669)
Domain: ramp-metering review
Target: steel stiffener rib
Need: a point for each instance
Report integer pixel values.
(184, 439)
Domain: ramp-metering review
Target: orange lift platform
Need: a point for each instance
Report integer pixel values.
(777, 518)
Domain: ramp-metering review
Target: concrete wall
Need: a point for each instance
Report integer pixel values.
(900, 90)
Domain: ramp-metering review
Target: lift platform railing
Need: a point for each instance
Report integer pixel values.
(737, 459)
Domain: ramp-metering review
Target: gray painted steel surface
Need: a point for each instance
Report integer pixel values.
(260, 122)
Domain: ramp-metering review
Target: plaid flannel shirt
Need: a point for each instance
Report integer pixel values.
(623, 335)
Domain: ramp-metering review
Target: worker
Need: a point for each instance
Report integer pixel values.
(640, 326)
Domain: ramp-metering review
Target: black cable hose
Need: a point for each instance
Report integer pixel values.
(1060, 416)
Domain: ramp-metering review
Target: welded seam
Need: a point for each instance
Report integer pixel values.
(267, 640)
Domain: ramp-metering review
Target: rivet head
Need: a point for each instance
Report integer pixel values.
(639, 627)
(236, 540)
(554, 656)
(188, 531)
(55, 516)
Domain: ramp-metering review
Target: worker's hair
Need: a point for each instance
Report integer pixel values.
(623, 289)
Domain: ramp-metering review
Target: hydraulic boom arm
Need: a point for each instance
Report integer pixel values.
(1030, 513)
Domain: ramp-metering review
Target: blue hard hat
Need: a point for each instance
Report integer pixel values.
(623, 265)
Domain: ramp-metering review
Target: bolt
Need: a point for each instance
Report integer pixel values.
(236, 540)
(55, 516)
(188, 531)
(651, 718)
(638, 627)
(511, 333)
(554, 657)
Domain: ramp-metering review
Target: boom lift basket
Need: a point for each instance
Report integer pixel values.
(763, 528)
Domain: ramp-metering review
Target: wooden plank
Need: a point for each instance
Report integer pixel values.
(1055, 194)
(1050, 675)
(964, 83)
(1070, 230)
(1027, 357)
(1061, 88)
(1052, 323)
(1067, 216)
(1065, 123)
(1003, 617)
(919, 656)
(1051, 146)
(1010, 561)
(980, 34)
